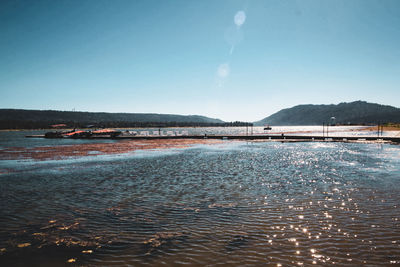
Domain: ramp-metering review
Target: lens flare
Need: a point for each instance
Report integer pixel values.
(223, 70)
(240, 18)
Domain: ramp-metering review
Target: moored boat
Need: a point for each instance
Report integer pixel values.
(267, 127)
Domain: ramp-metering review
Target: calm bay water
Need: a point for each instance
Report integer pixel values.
(233, 203)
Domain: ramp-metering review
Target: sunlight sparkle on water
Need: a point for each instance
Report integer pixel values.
(203, 206)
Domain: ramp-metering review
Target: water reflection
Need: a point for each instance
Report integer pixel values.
(265, 203)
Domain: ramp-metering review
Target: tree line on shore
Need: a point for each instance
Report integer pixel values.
(353, 113)
(44, 119)
(20, 124)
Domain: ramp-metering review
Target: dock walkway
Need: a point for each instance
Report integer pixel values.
(282, 138)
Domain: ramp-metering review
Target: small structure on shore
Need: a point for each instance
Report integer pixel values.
(332, 122)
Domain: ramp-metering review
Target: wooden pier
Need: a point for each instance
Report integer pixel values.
(280, 138)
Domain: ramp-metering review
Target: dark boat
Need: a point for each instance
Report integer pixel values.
(78, 134)
(53, 135)
(267, 127)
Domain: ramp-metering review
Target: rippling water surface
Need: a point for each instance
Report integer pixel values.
(233, 203)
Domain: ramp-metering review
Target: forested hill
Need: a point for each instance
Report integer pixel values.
(35, 119)
(358, 112)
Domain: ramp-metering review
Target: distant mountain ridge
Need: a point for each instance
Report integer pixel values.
(30, 119)
(358, 112)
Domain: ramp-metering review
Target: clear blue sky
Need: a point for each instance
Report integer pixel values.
(233, 60)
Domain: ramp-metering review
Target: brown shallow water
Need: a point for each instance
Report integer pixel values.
(229, 203)
(93, 149)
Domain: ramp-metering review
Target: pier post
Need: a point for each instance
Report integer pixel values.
(378, 128)
(327, 130)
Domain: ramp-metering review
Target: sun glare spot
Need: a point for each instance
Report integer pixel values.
(223, 70)
(240, 18)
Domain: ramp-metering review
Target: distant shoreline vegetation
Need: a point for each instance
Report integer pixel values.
(353, 113)
(18, 125)
(44, 119)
